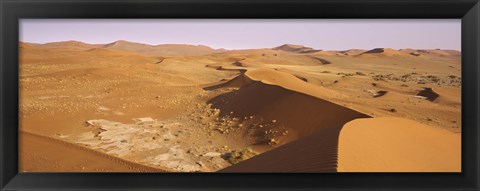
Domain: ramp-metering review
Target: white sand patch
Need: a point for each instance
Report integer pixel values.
(102, 108)
(118, 113)
(147, 140)
(144, 119)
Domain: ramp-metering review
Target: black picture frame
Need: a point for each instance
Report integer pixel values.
(13, 10)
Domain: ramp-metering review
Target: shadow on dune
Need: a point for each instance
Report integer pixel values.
(380, 93)
(429, 94)
(375, 50)
(314, 125)
(317, 152)
(321, 60)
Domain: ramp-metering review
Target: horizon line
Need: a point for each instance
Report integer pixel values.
(72, 40)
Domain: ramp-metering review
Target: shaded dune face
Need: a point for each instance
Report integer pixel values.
(385, 52)
(316, 122)
(323, 61)
(380, 94)
(315, 153)
(375, 50)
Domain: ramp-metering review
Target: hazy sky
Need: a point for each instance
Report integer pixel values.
(332, 34)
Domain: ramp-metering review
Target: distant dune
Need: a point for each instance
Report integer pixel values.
(353, 51)
(383, 52)
(441, 52)
(296, 48)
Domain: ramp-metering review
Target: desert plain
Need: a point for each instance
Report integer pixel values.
(132, 107)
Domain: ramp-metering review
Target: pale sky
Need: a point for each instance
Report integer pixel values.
(325, 34)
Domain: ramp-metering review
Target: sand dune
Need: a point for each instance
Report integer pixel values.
(282, 59)
(288, 101)
(397, 145)
(365, 145)
(315, 121)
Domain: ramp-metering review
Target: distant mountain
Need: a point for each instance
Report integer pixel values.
(26, 45)
(163, 49)
(296, 48)
(70, 45)
(155, 50)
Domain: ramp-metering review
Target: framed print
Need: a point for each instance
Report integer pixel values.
(271, 95)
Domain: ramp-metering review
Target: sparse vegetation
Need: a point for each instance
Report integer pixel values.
(450, 80)
(360, 73)
(344, 74)
(239, 155)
